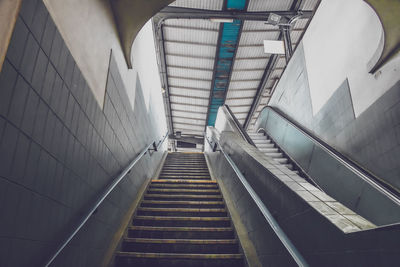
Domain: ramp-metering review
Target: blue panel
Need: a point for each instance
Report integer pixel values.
(227, 47)
(236, 4)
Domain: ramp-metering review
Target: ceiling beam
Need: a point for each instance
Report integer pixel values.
(189, 118)
(187, 104)
(170, 12)
(190, 88)
(272, 30)
(189, 124)
(186, 111)
(188, 56)
(189, 96)
(189, 78)
(189, 68)
(189, 43)
(175, 27)
(162, 68)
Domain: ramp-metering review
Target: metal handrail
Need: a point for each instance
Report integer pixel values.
(242, 132)
(368, 177)
(109, 189)
(297, 257)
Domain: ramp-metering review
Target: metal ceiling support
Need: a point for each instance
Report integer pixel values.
(190, 88)
(189, 68)
(189, 96)
(272, 30)
(189, 28)
(190, 124)
(186, 111)
(190, 78)
(285, 31)
(296, 4)
(161, 62)
(189, 56)
(189, 118)
(190, 105)
(190, 43)
(170, 12)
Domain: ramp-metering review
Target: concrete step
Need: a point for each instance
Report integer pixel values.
(174, 197)
(282, 160)
(265, 145)
(181, 232)
(184, 186)
(184, 191)
(182, 221)
(274, 154)
(269, 150)
(186, 176)
(137, 259)
(185, 181)
(197, 246)
(181, 212)
(182, 204)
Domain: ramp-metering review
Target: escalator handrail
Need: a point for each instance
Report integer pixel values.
(374, 181)
(287, 243)
(152, 146)
(240, 128)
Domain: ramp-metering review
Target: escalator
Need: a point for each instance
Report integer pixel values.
(182, 220)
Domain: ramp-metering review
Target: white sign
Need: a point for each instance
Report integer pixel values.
(274, 47)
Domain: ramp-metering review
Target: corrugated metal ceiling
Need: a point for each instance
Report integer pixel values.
(191, 46)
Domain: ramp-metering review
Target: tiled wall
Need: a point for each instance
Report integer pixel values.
(372, 139)
(59, 149)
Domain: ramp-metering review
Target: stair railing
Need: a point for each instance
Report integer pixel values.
(150, 147)
(287, 243)
(239, 127)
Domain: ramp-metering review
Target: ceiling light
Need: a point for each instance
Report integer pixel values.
(221, 20)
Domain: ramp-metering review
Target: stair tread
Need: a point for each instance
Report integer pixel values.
(182, 196)
(179, 255)
(177, 218)
(181, 241)
(181, 202)
(183, 209)
(183, 181)
(181, 229)
(183, 190)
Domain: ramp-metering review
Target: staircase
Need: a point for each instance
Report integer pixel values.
(181, 220)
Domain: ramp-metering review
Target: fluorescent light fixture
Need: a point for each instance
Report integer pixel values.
(221, 20)
(274, 47)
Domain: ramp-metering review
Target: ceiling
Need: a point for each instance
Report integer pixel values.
(205, 64)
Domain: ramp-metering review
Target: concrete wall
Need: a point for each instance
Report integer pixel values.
(326, 88)
(59, 149)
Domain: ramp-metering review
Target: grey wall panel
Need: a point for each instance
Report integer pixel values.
(59, 149)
